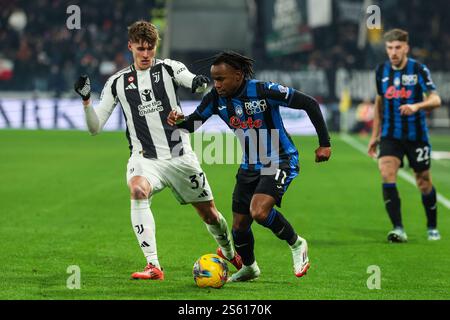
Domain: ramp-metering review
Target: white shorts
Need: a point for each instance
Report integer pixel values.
(183, 175)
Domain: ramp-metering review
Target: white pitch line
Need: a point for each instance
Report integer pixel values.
(402, 173)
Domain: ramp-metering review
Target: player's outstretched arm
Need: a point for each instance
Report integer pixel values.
(95, 119)
(190, 123)
(83, 87)
(174, 117)
(323, 154)
(185, 78)
(195, 120)
(311, 106)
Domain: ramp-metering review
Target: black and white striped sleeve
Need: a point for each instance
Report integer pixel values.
(181, 75)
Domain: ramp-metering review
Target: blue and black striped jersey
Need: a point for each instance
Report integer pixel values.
(399, 87)
(254, 115)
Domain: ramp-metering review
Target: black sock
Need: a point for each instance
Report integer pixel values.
(280, 227)
(392, 203)
(244, 242)
(429, 202)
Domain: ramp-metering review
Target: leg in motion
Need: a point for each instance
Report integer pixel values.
(144, 227)
(429, 201)
(388, 167)
(262, 211)
(218, 228)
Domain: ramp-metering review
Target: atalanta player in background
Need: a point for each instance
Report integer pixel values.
(405, 92)
(251, 109)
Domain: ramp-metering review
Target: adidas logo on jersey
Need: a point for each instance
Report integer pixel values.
(203, 194)
(144, 244)
(131, 86)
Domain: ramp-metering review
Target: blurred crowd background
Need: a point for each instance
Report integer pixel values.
(322, 47)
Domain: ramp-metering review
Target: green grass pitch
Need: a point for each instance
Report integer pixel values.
(64, 202)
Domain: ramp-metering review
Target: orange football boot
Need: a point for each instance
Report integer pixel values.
(150, 273)
(236, 261)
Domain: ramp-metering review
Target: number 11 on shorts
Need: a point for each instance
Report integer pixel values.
(283, 178)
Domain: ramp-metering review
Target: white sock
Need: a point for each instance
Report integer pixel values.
(220, 233)
(144, 228)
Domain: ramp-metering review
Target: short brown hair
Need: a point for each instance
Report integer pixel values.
(145, 31)
(396, 35)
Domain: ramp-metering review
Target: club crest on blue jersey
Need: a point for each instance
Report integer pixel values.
(239, 111)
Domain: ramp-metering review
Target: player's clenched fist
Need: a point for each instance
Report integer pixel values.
(174, 117)
(83, 87)
(323, 154)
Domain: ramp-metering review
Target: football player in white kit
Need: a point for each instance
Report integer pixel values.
(161, 155)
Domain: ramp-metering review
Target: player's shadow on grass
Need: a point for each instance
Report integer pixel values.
(358, 236)
(364, 235)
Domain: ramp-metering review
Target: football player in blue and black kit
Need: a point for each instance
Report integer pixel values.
(270, 159)
(405, 92)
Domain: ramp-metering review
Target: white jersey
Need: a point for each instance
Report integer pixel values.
(146, 98)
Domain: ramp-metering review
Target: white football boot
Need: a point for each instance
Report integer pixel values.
(433, 235)
(397, 235)
(246, 273)
(300, 256)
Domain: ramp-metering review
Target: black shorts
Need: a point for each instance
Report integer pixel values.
(250, 182)
(417, 152)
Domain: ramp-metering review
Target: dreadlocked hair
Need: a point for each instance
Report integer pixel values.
(237, 61)
(233, 59)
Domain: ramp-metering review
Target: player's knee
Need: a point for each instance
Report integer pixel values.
(425, 189)
(241, 222)
(424, 185)
(138, 192)
(258, 214)
(240, 226)
(388, 174)
(388, 170)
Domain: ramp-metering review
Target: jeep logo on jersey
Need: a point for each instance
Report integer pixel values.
(409, 79)
(146, 95)
(256, 106)
(239, 111)
(156, 76)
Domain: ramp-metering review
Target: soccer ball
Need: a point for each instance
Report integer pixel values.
(210, 270)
